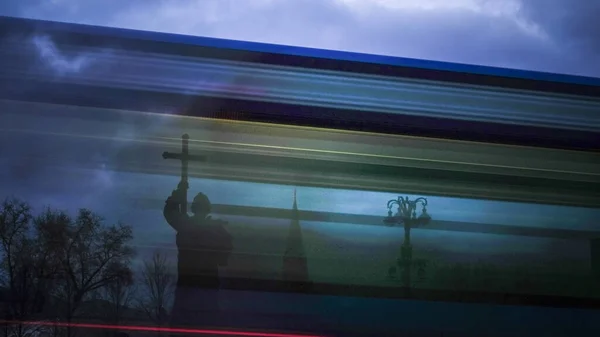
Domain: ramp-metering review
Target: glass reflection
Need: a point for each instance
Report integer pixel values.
(83, 240)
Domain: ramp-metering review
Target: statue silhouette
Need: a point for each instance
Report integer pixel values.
(203, 245)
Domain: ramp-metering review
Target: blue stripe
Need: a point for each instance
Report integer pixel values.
(312, 52)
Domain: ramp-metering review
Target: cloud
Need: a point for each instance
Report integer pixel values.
(55, 59)
(554, 35)
(573, 25)
(547, 35)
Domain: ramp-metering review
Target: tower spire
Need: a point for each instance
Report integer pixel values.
(295, 266)
(295, 207)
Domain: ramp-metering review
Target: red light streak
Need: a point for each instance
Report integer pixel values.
(215, 332)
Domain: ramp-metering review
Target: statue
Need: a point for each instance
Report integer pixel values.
(203, 245)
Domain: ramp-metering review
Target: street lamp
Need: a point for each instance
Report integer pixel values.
(406, 215)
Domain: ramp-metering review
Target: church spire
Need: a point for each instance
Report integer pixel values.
(295, 203)
(295, 266)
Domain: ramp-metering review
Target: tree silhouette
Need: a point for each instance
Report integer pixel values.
(92, 256)
(57, 261)
(119, 296)
(156, 288)
(25, 268)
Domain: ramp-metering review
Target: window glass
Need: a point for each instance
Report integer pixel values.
(122, 259)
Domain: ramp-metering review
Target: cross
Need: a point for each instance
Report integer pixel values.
(185, 158)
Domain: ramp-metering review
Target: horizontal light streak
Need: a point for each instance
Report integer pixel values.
(224, 140)
(204, 332)
(134, 70)
(343, 157)
(373, 220)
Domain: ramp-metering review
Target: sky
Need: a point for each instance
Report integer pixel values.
(543, 35)
(550, 35)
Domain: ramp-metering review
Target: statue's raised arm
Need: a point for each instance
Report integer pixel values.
(173, 212)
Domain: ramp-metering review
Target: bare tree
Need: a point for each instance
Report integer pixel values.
(24, 266)
(90, 256)
(57, 261)
(156, 288)
(119, 296)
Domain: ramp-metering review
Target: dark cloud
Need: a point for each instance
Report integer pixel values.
(456, 36)
(16, 8)
(574, 24)
(451, 35)
(574, 27)
(75, 172)
(90, 12)
(553, 35)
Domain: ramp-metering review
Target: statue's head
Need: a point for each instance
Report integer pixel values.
(200, 205)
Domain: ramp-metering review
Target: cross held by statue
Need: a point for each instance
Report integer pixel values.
(185, 158)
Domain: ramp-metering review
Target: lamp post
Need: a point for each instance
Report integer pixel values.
(406, 215)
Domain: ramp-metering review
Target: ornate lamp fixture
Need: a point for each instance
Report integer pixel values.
(406, 215)
(407, 212)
